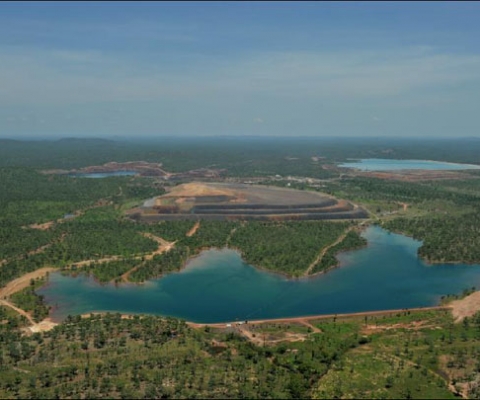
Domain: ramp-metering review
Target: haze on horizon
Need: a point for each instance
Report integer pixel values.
(288, 69)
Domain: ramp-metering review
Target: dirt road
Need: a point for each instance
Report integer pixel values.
(18, 310)
(24, 281)
(163, 246)
(324, 251)
(20, 284)
(41, 326)
(194, 229)
(318, 317)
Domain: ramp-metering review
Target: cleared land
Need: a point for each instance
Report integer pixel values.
(24, 281)
(19, 284)
(317, 317)
(228, 201)
(466, 307)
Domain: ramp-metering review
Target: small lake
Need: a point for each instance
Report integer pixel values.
(218, 286)
(379, 164)
(98, 175)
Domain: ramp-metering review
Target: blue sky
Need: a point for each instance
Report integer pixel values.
(290, 69)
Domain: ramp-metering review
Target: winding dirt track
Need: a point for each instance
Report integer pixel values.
(324, 251)
(41, 326)
(19, 284)
(24, 281)
(18, 310)
(163, 246)
(194, 229)
(39, 250)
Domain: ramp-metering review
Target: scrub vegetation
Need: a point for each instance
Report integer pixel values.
(78, 225)
(286, 247)
(444, 214)
(351, 241)
(406, 355)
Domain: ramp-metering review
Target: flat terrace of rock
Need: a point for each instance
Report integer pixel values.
(229, 201)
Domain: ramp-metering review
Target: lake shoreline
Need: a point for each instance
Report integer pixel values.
(430, 263)
(225, 287)
(358, 161)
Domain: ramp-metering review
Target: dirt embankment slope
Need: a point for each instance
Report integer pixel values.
(466, 307)
(24, 281)
(317, 317)
(193, 189)
(194, 229)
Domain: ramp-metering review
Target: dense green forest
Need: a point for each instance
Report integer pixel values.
(28, 300)
(27, 196)
(352, 241)
(365, 189)
(106, 271)
(171, 261)
(443, 214)
(287, 247)
(248, 156)
(452, 239)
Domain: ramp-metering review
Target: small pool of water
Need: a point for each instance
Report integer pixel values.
(98, 175)
(219, 286)
(379, 164)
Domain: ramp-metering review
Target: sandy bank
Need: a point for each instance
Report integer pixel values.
(466, 307)
(24, 281)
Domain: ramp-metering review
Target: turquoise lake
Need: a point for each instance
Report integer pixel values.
(218, 286)
(98, 175)
(379, 164)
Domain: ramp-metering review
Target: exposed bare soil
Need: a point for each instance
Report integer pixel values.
(7, 303)
(261, 339)
(24, 281)
(316, 317)
(233, 201)
(194, 229)
(43, 227)
(414, 325)
(194, 189)
(41, 326)
(466, 307)
(19, 284)
(247, 328)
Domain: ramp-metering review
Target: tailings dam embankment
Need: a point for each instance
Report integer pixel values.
(221, 201)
